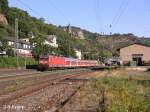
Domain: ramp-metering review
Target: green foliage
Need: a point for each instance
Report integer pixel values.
(4, 6)
(66, 44)
(3, 31)
(4, 45)
(29, 26)
(104, 54)
(24, 21)
(40, 48)
(10, 52)
(8, 62)
(91, 46)
(122, 95)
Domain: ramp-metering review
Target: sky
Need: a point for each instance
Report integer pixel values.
(101, 16)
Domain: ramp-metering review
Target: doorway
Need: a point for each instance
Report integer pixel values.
(138, 60)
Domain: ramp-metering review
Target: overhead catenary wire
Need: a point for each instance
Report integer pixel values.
(27, 6)
(59, 11)
(122, 11)
(123, 6)
(118, 12)
(98, 14)
(31, 9)
(117, 17)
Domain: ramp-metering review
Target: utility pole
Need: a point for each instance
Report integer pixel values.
(111, 36)
(25, 62)
(16, 40)
(69, 49)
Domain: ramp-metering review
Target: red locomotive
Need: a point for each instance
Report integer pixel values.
(52, 61)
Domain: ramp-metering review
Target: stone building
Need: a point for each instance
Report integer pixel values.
(136, 52)
(51, 40)
(68, 29)
(78, 54)
(75, 33)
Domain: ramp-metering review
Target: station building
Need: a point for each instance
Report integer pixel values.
(138, 53)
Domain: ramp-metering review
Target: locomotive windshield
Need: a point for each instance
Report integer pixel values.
(43, 60)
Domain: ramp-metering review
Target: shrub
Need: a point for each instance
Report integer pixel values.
(122, 95)
(8, 62)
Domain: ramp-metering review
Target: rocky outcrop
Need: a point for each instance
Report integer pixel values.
(3, 20)
(74, 31)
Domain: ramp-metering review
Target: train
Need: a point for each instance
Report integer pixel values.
(52, 61)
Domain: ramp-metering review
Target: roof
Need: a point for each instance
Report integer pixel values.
(50, 38)
(137, 43)
(13, 40)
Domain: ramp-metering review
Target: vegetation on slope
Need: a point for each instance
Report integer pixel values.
(29, 26)
(94, 46)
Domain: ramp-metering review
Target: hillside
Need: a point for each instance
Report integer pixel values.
(93, 45)
(113, 41)
(29, 26)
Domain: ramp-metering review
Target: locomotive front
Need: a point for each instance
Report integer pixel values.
(43, 63)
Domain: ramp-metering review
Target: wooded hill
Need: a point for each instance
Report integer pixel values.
(92, 47)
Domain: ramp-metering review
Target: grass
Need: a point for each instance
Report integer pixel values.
(118, 94)
(122, 95)
(10, 62)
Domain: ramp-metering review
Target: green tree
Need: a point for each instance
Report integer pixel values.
(39, 47)
(4, 45)
(3, 31)
(103, 54)
(29, 26)
(4, 6)
(24, 21)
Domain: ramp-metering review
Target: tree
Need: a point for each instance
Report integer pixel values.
(24, 21)
(3, 31)
(39, 47)
(4, 6)
(38, 27)
(104, 54)
(4, 45)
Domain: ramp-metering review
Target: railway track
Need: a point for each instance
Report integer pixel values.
(12, 77)
(35, 73)
(4, 99)
(12, 84)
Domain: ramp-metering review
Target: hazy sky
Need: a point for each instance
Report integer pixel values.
(117, 16)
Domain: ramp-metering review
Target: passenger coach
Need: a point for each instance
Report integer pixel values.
(52, 61)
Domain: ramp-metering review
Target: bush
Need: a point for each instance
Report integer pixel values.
(122, 95)
(8, 62)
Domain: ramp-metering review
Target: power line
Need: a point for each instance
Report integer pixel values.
(34, 11)
(120, 12)
(97, 14)
(59, 11)
(27, 6)
(123, 10)
(116, 16)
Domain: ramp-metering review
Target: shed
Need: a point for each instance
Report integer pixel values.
(136, 52)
